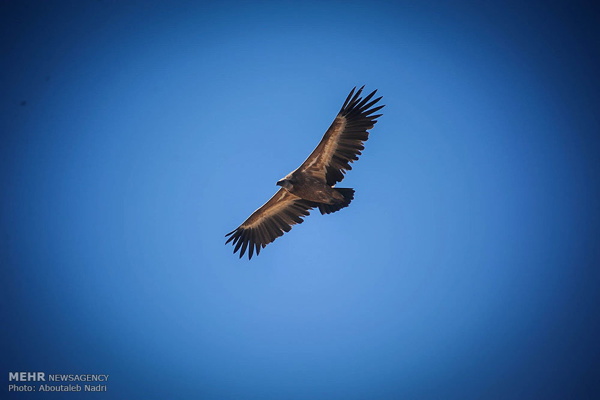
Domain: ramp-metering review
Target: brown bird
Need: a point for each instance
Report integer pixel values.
(313, 183)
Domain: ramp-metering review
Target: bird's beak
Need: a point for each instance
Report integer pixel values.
(279, 183)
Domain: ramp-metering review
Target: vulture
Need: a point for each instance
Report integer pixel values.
(312, 185)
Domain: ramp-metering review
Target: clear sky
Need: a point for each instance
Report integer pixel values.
(136, 134)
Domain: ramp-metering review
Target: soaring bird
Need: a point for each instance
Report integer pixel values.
(312, 184)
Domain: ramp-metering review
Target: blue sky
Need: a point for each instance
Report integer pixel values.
(136, 134)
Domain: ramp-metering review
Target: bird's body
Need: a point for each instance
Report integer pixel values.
(310, 188)
(312, 185)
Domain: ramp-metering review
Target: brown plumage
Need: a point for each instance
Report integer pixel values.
(312, 184)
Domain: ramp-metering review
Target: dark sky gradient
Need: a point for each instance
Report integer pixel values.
(136, 134)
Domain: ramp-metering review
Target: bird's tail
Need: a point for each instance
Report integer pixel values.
(331, 208)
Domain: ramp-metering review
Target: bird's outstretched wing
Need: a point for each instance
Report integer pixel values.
(269, 222)
(343, 141)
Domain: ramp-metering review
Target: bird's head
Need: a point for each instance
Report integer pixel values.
(285, 183)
